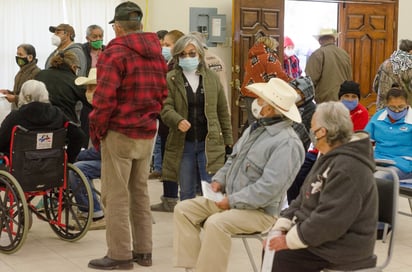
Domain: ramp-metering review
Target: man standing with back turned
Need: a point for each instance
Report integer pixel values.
(131, 86)
(328, 66)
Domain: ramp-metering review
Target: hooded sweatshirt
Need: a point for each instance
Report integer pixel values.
(336, 212)
(131, 87)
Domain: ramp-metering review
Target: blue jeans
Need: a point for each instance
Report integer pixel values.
(192, 167)
(157, 155)
(91, 169)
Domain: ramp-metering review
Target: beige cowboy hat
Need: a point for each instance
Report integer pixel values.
(91, 79)
(279, 95)
(326, 32)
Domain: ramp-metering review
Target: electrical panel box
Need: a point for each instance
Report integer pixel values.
(210, 24)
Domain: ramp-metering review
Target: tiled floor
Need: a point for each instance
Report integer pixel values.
(44, 251)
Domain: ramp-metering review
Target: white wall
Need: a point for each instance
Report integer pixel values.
(404, 20)
(174, 14)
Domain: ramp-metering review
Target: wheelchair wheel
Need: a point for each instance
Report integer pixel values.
(14, 214)
(70, 218)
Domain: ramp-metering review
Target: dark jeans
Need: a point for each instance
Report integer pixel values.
(294, 189)
(300, 260)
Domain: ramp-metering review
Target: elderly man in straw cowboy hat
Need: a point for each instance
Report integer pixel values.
(253, 182)
(328, 66)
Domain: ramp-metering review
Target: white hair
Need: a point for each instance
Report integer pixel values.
(33, 91)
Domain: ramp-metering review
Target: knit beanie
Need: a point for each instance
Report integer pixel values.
(288, 42)
(349, 87)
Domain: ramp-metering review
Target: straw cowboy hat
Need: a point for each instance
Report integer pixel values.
(91, 79)
(326, 32)
(279, 95)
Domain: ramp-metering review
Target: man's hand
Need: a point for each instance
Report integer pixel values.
(183, 125)
(278, 243)
(216, 186)
(223, 204)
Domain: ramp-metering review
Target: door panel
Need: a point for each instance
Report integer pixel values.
(251, 20)
(368, 34)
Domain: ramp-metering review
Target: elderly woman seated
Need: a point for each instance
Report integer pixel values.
(35, 112)
(391, 130)
(332, 222)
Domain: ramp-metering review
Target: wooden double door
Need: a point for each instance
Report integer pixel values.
(368, 33)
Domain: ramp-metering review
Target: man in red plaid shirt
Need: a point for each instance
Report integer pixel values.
(131, 87)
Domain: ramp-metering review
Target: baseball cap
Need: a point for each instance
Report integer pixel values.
(66, 27)
(122, 12)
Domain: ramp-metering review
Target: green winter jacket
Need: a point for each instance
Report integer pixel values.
(175, 109)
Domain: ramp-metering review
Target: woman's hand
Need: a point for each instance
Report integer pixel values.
(184, 125)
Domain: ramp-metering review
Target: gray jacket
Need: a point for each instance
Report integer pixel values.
(76, 49)
(261, 168)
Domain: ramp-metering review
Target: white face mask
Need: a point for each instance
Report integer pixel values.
(56, 40)
(256, 109)
(289, 52)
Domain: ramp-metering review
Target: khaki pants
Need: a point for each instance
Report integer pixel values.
(212, 253)
(125, 169)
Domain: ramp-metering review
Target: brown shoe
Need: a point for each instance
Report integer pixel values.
(167, 205)
(98, 224)
(155, 175)
(144, 259)
(106, 263)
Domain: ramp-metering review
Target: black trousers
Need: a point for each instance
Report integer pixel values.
(300, 260)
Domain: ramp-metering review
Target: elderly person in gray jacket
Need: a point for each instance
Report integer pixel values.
(254, 179)
(332, 223)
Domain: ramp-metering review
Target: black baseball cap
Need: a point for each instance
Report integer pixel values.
(123, 11)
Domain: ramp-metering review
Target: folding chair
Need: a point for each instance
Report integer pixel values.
(257, 235)
(388, 191)
(405, 190)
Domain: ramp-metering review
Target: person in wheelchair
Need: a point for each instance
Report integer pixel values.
(36, 113)
(391, 131)
(332, 223)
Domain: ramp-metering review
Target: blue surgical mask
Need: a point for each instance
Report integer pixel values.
(189, 64)
(350, 104)
(166, 52)
(397, 115)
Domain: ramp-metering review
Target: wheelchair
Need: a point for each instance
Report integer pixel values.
(36, 168)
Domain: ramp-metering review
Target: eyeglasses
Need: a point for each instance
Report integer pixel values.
(191, 54)
(398, 108)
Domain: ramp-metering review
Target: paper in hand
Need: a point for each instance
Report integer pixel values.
(209, 193)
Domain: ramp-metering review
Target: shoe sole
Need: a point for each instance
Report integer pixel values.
(128, 266)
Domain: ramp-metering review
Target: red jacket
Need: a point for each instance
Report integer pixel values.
(360, 117)
(131, 87)
(263, 64)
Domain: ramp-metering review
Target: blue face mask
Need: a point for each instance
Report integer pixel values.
(189, 64)
(397, 115)
(166, 52)
(350, 104)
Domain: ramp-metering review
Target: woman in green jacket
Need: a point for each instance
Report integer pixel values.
(197, 115)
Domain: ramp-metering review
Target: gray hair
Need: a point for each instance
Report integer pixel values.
(184, 41)
(33, 91)
(90, 28)
(335, 118)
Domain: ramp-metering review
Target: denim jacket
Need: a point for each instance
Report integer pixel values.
(261, 168)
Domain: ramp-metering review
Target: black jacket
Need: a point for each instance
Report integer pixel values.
(63, 93)
(35, 116)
